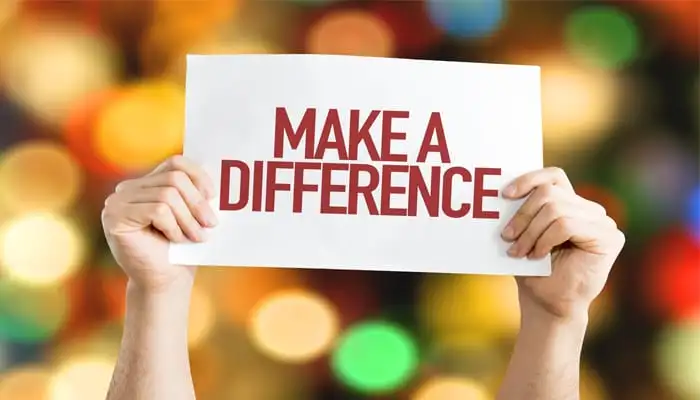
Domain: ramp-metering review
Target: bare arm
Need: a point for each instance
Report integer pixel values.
(546, 360)
(153, 361)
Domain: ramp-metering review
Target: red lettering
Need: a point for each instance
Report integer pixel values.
(388, 190)
(327, 187)
(361, 134)
(416, 185)
(355, 189)
(447, 181)
(331, 126)
(436, 129)
(299, 186)
(224, 197)
(257, 185)
(306, 130)
(271, 184)
(480, 193)
(388, 135)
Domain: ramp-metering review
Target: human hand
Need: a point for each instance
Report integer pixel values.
(583, 241)
(144, 214)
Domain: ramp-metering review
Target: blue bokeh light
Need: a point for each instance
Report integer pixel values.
(467, 18)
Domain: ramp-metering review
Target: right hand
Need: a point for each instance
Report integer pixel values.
(144, 214)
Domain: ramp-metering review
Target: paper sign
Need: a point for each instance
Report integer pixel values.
(345, 162)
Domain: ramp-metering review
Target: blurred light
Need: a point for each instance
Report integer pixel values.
(8, 9)
(40, 249)
(50, 65)
(414, 33)
(461, 307)
(352, 32)
(678, 359)
(294, 326)
(31, 314)
(238, 290)
(592, 387)
(693, 212)
(79, 133)
(27, 383)
(159, 107)
(672, 284)
(602, 36)
(477, 357)
(467, 18)
(578, 106)
(82, 378)
(447, 388)
(39, 175)
(606, 198)
(202, 317)
(375, 357)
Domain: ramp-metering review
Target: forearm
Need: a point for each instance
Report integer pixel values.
(153, 361)
(545, 364)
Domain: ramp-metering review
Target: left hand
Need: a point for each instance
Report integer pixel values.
(583, 241)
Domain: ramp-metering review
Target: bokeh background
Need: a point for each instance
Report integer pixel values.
(91, 93)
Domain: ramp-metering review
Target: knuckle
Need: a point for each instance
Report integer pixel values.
(160, 210)
(553, 210)
(564, 225)
(175, 161)
(558, 171)
(121, 186)
(175, 178)
(168, 195)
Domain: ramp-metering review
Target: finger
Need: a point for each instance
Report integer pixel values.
(524, 184)
(195, 200)
(544, 217)
(539, 197)
(170, 196)
(527, 211)
(199, 177)
(119, 217)
(594, 236)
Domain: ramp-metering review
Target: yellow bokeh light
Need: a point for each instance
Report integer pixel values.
(448, 388)
(48, 66)
(578, 105)
(353, 32)
(294, 326)
(202, 316)
(39, 175)
(591, 385)
(40, 249)
(142, 126)
(677, 358)
(8, 8)
(27, 383)
(464, 307)
(82, 378)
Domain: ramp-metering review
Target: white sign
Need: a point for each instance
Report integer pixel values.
(347, 162)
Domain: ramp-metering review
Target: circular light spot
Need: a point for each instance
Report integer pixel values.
(39, 175)
(577, 106)
(159, 107)
(678, 359)
(467, 18)
(29, 383)
(50, 65)
(451, 388)
(202, 317)
(464, 307)
(351, 32)
(693, 212)
(294, 326)
(40, 249)
(32, 314)
(375, 357)
(602, 36)
(82, 378)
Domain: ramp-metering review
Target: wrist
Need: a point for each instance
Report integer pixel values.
(535, 316)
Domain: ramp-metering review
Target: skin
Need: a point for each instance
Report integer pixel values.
(170, 204)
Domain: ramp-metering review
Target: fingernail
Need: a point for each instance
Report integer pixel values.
(211, 219)
(509, 232)
(509, 191)
(201, 235)
(513, 251)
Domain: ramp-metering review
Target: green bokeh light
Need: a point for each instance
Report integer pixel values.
(602, 36)
(30, 314)
(375, 357)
